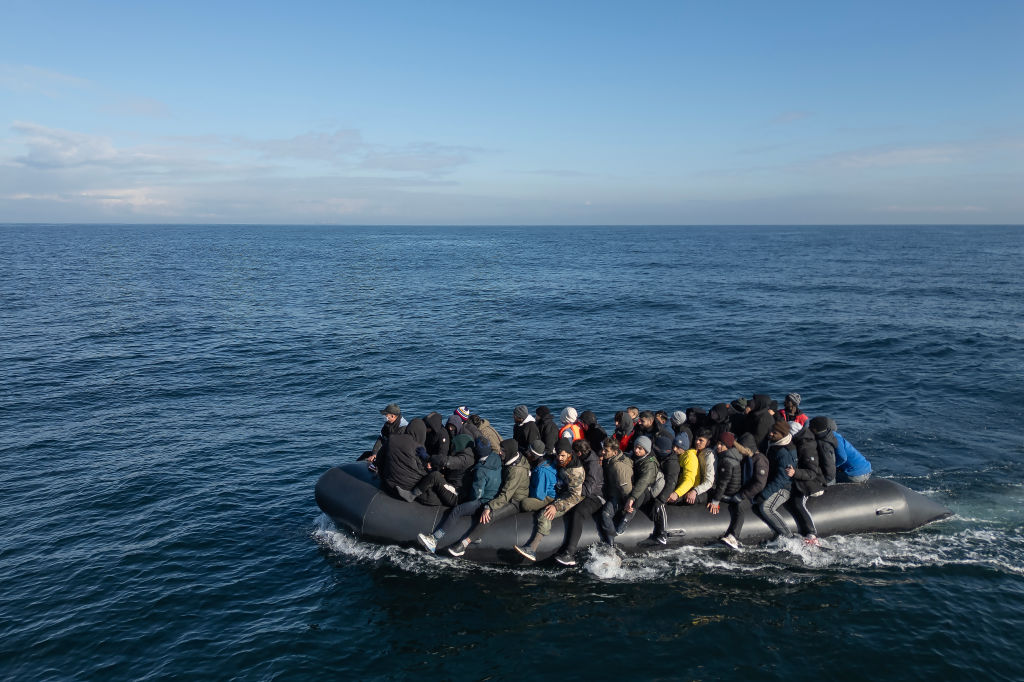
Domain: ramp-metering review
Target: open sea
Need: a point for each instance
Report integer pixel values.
(169, 396)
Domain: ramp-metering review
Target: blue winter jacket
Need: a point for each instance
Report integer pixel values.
(542, 481)
(779, 457)
(849, 460)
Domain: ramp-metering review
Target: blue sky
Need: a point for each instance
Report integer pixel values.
(512, 113)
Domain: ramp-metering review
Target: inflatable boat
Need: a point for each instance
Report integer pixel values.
(350, 494)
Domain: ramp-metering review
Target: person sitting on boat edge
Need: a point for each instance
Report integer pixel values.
(525, 429)
(515, 488)
(646, 477)
(456, 423)
(807, 481)
(850, 465)
(728, 482)
(703, 478)
(593, 499)
(401, 463)
(618, 484)
(393, 423)
(444, 481)
(781, 460)
(486, 483)
(668, 463)
(592, 431)
(571, 476)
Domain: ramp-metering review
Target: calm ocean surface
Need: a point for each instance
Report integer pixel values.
(170, 395)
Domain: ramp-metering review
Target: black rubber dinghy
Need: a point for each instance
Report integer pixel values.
(351, 496)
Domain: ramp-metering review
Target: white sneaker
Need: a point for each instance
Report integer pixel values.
(730, 541)
(428, 541)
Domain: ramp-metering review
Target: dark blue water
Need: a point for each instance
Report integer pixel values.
(169, 396)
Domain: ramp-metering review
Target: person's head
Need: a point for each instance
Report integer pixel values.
(588, 418)
(818, 425)
(619, 419)
(681, 444)
(563, 452)
(476, 420)
(702, 440)
(678, 419)
(647, 419)
(726, 441)
(609, 448)
(543, 412)
(581, 448)
(569, 415)
(509, 449)
(661, 416)
(662, 445)
(792, 403)
(520, 414)
(461, 414)
(633, 412)
(642, 446)
(779, 431)
(392, 413)
(535, 452)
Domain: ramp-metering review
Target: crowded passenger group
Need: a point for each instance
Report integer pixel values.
(749, 453)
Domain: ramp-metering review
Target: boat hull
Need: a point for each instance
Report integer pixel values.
(351, 496)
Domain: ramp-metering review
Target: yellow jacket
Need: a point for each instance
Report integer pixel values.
(689, 472)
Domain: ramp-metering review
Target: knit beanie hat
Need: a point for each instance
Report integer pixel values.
(662, 445)
(569, 415)
(543, 411)
(678, 418)
(564, 445)
(781, 428)
(727, 439)
(739, 404)
(521, 412)
(643, 442)
(588, 417)
(794, 398)
(462, 413)
(537, 448)
(682, 442)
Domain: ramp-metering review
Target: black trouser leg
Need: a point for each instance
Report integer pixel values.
(577, 517)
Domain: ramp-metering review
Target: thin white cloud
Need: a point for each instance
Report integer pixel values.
(25, 78)
(55, 148)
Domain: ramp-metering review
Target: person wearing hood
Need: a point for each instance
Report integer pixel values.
(718, 420)
(696, 418)
(791, 412)
(515, 487)
(668, 463)
(760, 420)
(592, 431)
(393, 423)
(456, 423)
(738, 415)
(807, 480)
(438, 439)
(570, 492)
(781, 460)
(443, 483)
(593, 499)
(570, 427)
(728, 483)
(624, 425)
(548, 428)
(401, 463)
(525, 430)
(486, 482)
(850, 465)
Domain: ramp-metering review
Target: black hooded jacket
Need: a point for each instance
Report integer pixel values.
(807, 478)
(760, 420)
(399, 465)
(525, 433)
(594, 434)
(718, 420)
(547, 427)
(437, 436)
